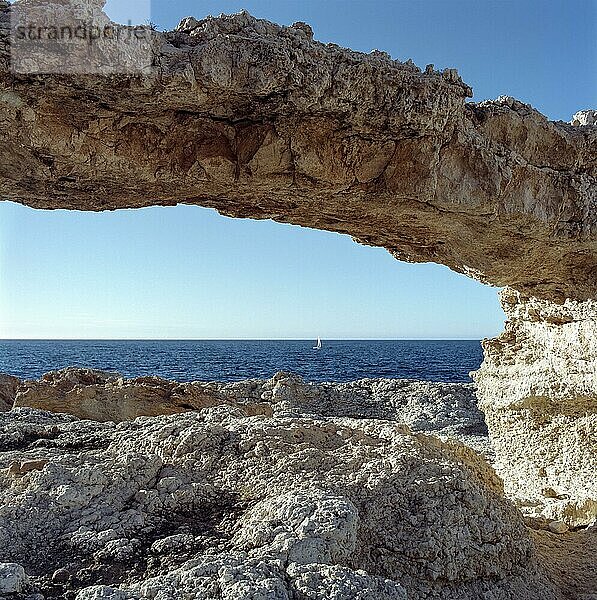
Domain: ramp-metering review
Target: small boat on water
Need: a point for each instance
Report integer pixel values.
(318, 346)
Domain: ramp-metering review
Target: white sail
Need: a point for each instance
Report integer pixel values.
(318, 347)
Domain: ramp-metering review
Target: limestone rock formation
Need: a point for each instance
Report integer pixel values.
(102, 396)
(13, 579)
(538, 389)
(262, 121)
(259, 120)
(585, 117)
(444, 409)
(217, 504)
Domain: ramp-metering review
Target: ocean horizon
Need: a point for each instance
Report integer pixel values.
(339, 360)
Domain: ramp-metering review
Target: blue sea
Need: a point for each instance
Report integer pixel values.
(225, 360)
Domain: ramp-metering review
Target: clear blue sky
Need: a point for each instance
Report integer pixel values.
(187, 272)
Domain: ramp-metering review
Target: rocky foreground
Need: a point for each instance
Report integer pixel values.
(277, 489)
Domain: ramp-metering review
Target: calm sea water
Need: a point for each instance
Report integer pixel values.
(232, 360)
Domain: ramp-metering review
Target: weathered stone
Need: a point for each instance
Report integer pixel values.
(61, 576)
(20, 468)
(101, 592)
(538, 389)
(100, 396)
(558, 527)
(347, 507)
(574, 554)
(445, 409)
(585, 117)
(261, 121)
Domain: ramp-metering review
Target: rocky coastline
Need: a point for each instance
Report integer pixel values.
(280, 488)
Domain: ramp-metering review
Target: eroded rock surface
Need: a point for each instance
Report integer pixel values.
(217, 504)
(572, 556)
(104, 396)
(585, 117)
(262, 121)
(298, 501)
(444, 409)
(538, 389)
(259, 120)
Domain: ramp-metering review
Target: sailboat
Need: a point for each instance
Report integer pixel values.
(318, 346)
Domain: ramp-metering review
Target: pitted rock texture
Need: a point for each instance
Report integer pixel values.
(443, 409)
(215, 504)
(262, 121)
(538, 389)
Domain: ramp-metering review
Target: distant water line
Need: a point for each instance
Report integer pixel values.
(226, 360)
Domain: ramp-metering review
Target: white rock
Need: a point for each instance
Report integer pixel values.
(350, 502)
(538, 389)
(101, 592)
(585, 117)
(173, 543)
(335, 582)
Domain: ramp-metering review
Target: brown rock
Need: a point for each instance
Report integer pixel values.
(318, 136)
(20, 468)
(8, 390)
(102, 396)
(558, 527)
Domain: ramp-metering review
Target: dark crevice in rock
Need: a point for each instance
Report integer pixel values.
(203, 529)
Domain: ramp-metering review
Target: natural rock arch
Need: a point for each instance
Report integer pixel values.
(261, 121)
